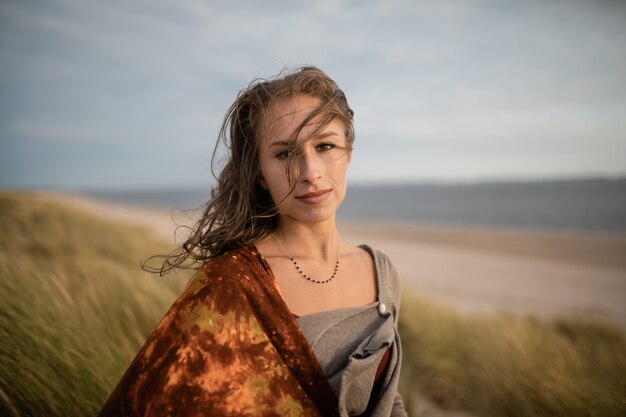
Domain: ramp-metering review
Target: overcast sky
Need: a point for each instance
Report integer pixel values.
(130, 94)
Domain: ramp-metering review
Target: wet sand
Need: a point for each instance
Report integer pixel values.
(476, 271)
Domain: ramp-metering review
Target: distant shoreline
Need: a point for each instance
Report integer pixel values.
(572, 207)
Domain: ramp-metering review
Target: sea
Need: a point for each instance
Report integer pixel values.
(581, 205)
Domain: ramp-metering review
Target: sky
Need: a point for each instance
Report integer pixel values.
(106, 95)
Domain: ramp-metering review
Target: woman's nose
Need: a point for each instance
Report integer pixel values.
(309, 168)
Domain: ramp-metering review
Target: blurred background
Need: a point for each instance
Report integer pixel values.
(490, 164)
(128, 95)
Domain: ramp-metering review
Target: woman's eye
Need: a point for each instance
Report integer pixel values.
(284, 154)
(325, 146)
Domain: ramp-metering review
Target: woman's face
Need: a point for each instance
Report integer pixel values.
(319, 168)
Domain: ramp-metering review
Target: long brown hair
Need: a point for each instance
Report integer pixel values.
(240, 211)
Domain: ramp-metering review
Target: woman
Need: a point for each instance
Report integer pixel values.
(283, 317)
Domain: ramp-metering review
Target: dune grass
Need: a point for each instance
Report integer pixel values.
(75, 307)
(507, 366)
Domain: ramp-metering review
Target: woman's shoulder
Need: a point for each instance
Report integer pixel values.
(234, 260)
(387, 274)
(229, 269)
(383, 262)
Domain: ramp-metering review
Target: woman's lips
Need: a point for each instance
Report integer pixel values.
(314, 197)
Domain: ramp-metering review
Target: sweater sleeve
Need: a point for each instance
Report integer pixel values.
(392, 280)
(398, 409)
(393, 284)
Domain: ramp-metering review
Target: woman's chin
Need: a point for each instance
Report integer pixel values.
(312, 215)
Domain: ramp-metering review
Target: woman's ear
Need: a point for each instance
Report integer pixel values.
(262, 182)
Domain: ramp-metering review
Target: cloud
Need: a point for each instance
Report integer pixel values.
(480, 83)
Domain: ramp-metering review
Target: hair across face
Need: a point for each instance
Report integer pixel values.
(241, 210)
(303, 160)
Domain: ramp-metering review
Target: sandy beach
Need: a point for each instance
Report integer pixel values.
(545, 275)
(539, 274)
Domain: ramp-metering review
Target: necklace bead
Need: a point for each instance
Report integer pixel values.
(301, 272)
(308, 278)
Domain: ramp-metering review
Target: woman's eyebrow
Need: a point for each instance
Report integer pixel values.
(287, 143)
(326, 134)
(279, 143)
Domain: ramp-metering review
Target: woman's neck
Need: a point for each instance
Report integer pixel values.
(317, 240)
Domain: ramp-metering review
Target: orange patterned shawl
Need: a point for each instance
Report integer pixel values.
(228, 346)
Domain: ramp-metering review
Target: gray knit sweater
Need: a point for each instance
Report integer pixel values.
(350, 342)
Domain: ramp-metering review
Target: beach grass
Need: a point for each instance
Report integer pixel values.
(509, 366)
(76, 307)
